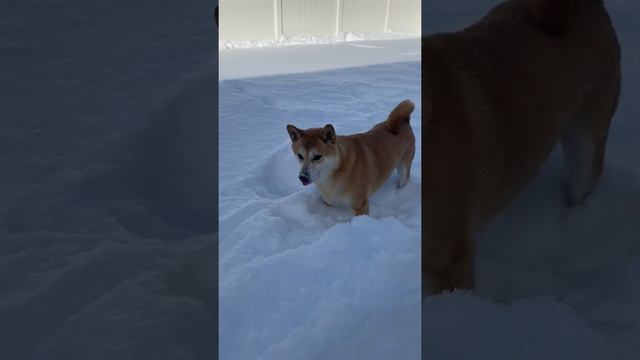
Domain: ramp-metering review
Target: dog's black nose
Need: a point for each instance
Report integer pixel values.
(304, 179)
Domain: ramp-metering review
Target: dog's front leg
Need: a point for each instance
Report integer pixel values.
(361, 207)
(447, 248)
(447, 263)
(327, 203)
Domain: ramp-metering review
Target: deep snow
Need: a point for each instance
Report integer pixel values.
(107, 158)
(553, 283)
(300, 280)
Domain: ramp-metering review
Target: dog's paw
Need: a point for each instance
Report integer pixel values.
(400, 184)
(573, 201)
(328, 204)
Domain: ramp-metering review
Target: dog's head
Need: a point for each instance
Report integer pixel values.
(316, 151)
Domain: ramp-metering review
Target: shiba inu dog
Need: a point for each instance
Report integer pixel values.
(498, 96)
(347, 170)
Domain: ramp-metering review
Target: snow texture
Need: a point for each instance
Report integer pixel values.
(108, 158)
(553, 283)
(298, 279)
(258, 62)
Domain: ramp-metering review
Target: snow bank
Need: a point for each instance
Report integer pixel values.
(338, 39)
(316, 297)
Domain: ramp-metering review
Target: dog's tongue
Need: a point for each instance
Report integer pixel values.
(304, 182)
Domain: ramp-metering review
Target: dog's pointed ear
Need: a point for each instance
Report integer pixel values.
(329, 134)
(294, 133)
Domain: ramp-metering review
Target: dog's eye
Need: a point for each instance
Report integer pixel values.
(300, 157)
(317, 157)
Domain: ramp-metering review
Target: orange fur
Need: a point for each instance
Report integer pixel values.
(347, 170)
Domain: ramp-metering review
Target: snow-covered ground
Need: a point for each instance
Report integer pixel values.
(554, 283)
(107, 175)
(300, 280)
(259, 62)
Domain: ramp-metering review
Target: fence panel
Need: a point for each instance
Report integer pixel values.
(364, 16)
(305, 18)
(405, 16)
(247, 20)
(268, 20)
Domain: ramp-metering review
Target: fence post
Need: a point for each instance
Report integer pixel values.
(386, 17)
(277, 14)
(338, 17)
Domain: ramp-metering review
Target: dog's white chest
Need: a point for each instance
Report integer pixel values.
(331, 194)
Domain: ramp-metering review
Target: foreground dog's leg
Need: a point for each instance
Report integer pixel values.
(580, 153)
(361, 207)
(584, 141)
(447, 247)
(404, 167)
(403, 174)
(449, 265)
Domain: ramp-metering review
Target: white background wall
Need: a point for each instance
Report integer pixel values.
(253, 20)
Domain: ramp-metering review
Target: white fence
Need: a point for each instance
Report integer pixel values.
(269, 20)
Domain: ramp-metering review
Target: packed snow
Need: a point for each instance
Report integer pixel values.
(299, 279)
(108, 158)
(553, 283)
(259, 62)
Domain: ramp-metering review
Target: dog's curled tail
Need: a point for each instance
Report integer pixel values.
(399, 116)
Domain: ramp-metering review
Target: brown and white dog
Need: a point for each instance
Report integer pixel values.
(497, 98)
(347, 170)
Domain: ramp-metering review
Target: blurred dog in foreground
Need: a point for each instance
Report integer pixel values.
(497, 98)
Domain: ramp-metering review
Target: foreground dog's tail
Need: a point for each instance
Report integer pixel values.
(554, 16)
(399, 116)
